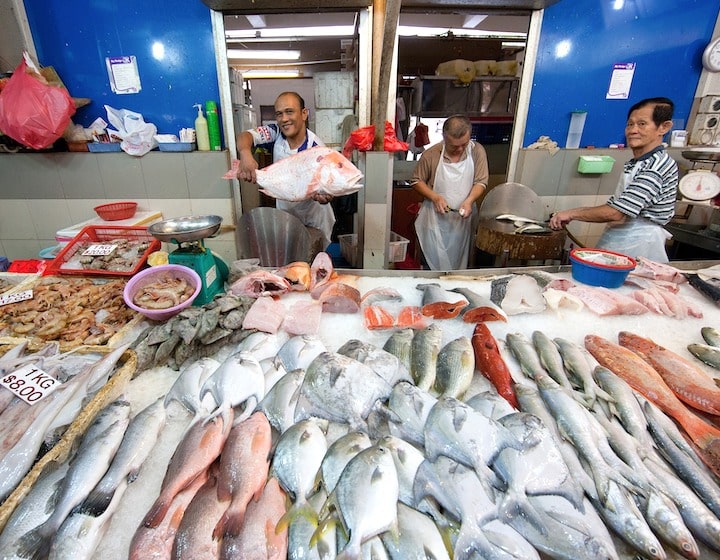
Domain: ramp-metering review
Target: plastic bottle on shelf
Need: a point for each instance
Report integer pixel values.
(201, 130)
(213, 125)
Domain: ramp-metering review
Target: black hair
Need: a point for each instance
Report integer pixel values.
(457, 126)
(662, 108)
(296, 95)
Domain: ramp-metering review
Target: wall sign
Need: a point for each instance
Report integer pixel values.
(123, 74)
(621, 80)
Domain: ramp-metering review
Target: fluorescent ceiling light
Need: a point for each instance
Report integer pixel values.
(259, 73)
(512, 44)
(322, 31)
(472, 21)
(414, 31)
(250, 54)
(256, 21)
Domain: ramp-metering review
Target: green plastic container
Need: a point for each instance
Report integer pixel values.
(595, 164)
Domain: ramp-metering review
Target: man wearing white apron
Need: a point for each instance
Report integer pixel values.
(451, 176)
(289, 136)
(644, 200)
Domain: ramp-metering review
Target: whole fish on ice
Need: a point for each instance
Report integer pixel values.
(318, 170)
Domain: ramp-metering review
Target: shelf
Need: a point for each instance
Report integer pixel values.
(487, 96)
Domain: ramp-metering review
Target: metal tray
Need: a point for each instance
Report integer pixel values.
(185, 228)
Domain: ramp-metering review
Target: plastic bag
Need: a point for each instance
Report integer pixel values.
(138, 137)
(362, 140)
(33, 112)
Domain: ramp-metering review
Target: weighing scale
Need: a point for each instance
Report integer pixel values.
(188, 232)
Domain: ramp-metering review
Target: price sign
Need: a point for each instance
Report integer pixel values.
(30, 383)
(99, 250)
(14, 298)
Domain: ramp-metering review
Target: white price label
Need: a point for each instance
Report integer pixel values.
(14, 298)
(30, 383)
(99, 250)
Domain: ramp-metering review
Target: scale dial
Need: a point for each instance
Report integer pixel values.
(711, 56)
(699, 184)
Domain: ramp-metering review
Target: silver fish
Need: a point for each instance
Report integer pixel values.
(273, 370)
(409, 407)
(426, 346)
(238, 379)
(296, 462)
(338, 456)
(301, 531)
(340, 389)
(137, 443)
(580, 364)
(706, 353)
(399, 344)
(550, 358)
(455, 368)
(521, 347)
(299, 351)
(407, 460)
(262, 345)
(490, 404)
(419, 537)
(186, 389)
(279, 402)
(365, 498)
(711, 335)
(382, 362)
(97, 448)
(508, 539)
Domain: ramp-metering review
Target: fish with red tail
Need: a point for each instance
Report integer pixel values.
(491, 364)
(642, 377)
(689, 383)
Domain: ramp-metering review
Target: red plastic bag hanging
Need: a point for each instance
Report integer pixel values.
(362, 139)
(391, 142)
(33, 112)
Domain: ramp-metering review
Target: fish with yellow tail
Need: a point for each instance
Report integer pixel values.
(642, 377)
(318, 170)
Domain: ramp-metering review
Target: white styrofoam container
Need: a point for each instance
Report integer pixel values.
(334, 90)
(328, 125)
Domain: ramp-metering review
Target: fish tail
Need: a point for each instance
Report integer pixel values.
(34, 544)
(516, 504)
(97, 502)
(157, 512)
(322, 528)
(230, 523)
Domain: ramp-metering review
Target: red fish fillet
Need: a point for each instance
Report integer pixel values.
(377, 317)
(410, 317)
(491, 364)
(482, 314)
(691, 385)
(643, 378)
(340, 298)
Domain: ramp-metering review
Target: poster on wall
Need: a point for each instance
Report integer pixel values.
(621, 80)
(123, 74)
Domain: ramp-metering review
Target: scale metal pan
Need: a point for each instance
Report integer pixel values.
(185, 228)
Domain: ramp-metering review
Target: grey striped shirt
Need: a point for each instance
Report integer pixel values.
(653, 190)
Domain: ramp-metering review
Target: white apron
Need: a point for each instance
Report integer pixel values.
(445, 238)
(309, 212)
(636, 237)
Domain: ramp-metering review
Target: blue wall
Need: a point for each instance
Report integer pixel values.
(75, 37)
(665, 38)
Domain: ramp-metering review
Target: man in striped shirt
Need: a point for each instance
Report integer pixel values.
(644, 200)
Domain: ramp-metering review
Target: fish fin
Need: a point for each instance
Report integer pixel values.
(230, 523)
(515, 504)
(96, 503)
(157, 512)
(34, 544)
(323, 527)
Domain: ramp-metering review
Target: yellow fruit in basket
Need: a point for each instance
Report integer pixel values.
(158, 258)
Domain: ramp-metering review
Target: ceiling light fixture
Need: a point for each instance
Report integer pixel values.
(414, 31)
(259, 73)
(322, 31)
(251, 54)
(257, 21)
(513, 45)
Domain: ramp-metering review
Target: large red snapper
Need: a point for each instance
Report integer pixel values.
(319, 170)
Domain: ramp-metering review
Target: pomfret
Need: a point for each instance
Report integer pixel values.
(279, 402)
(243, 470)
(426, 345)
(239, 378)
(301, 530)
(340, 389)
(320, 170)
(407, 460)
(399, 344)
(299, 351)
(262, 345)
(455, 368)
(409, 407)
(490, 404)
(338, 456)
(273, 370)
(138, 442)
(296, 464)
(382, 362)
(365, 497)
(186, 389)
(419, 537)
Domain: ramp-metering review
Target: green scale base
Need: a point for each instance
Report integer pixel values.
(206, 264)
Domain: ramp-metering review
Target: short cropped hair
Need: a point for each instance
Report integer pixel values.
(456, 126)
(296, 95)
(662, 108)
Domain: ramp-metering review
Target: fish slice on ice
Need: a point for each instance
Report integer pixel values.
(315, 170)
(517, 293)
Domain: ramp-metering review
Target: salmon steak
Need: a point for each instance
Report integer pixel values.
(318, 170)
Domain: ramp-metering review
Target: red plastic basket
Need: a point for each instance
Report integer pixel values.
(103, 235)
(116, 211)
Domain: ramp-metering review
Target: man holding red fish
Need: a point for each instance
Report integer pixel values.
(288, 136)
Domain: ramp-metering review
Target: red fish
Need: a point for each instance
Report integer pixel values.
(691, 385)
(491, 364)
(315, 170)
(644, 379)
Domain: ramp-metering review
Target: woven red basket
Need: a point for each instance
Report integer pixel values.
(116, 211)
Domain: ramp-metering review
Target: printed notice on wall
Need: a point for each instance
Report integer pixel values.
(123, 74)
(621, 80)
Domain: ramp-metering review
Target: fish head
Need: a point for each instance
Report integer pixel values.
(335, 174)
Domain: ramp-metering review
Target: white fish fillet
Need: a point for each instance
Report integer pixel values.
(315, 170)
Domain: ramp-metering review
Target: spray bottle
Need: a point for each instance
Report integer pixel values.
(213, 125)
(201, 130)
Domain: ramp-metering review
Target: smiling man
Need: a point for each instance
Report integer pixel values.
(644, 200)
(287, 136)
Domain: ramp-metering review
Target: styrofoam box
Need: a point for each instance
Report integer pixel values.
(397, 252)
(328, 125)
(334, 90)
